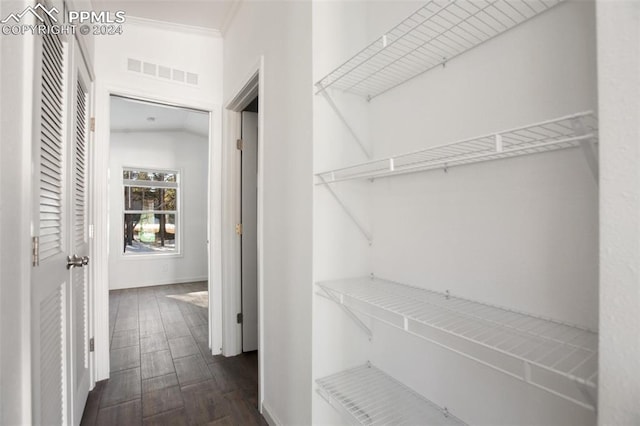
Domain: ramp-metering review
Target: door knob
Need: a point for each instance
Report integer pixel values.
(76, 260)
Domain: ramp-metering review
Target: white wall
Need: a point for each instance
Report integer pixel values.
(521, 233)
(168, 45)
(15, 216)
(281, 31)
(175, 47)
(619, 113)
(181, 151)
(340, 249)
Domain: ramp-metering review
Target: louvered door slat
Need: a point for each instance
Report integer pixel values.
(80, 179)
(49, 205)
(52, 86)
(53, 48)
(50, 106)
(50, 169)
(49, 119)
(52, 357)
(51, 142)
(48, 156)
(47, 132)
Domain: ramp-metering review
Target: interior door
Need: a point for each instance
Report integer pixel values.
(249, 231)
(50, 277)
(79, 241)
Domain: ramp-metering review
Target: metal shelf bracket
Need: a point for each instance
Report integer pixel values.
(344, 121)
(351, 216)
(588, 146)
(348, 311)
(590, 394)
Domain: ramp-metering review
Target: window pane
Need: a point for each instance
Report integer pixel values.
(141, 198)
(150, 176)
(132, 199)
(169, 199)
(151, 198)
(148, 233)
(147, 229)
(156, 176)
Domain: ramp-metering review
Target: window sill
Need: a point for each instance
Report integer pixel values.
(155, 256)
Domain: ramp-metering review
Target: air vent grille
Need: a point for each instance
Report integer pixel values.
(162, 72)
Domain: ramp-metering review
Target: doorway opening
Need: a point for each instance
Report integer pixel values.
(249, 226)
(158, 242)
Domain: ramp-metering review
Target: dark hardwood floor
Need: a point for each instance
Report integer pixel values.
(162, 372)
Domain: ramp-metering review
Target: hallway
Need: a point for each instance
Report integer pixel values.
(162, 371)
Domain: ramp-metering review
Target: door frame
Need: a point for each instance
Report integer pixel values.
(101, 218)
(78, 61)
(250, 87)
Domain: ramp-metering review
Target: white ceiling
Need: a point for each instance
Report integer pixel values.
(211, 14)
(133, 116)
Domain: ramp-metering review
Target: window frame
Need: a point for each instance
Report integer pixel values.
(124, 183)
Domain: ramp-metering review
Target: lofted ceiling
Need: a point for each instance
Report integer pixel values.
(136, 116)
(210, 14)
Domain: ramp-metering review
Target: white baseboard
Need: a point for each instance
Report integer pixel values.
(154, 283)
(268, 415)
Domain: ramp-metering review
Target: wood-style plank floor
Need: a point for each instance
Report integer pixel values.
(162, 372)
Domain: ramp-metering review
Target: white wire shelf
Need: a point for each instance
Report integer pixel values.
(560, 133)
(370, 397)
(557, 357)
(434, 34)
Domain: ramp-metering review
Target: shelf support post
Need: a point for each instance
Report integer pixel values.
(335, 108)
(346, 210)
(588, 147)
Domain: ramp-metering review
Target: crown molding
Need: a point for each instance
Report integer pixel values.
(172, 26)
(231, 14)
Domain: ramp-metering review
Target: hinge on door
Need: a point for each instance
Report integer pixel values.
(239, 318)
(35, 253)
(239, 228)
(92, 344)
(92, 124)
(239, 144)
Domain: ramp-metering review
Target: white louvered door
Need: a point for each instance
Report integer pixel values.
(79, 242)
(50, 277)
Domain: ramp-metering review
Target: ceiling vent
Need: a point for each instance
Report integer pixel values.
(162, 72)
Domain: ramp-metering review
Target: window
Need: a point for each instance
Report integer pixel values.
(150, 211)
